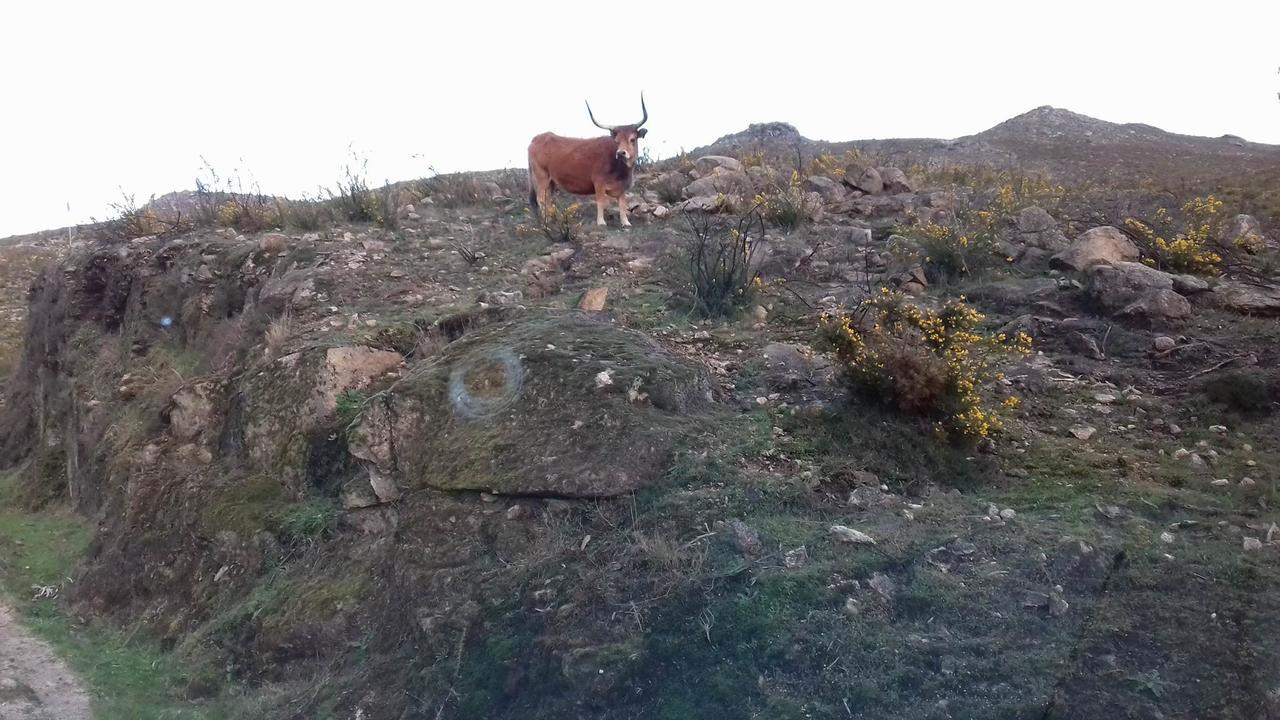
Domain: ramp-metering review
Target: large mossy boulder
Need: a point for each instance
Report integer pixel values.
(542, 405)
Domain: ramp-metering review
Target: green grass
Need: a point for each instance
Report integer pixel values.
(127, 677)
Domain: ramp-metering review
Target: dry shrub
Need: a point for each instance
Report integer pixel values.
(720, 259)
(278, 332)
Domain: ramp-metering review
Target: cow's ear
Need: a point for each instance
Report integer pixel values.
(642, 132)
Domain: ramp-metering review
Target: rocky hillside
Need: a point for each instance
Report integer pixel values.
(452, 463)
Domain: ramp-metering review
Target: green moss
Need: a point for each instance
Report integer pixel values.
(246, 507)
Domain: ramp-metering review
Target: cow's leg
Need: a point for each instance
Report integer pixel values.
(622, 209)
(542, 189)
(601, 199)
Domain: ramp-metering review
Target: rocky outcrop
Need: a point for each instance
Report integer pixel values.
(542, 405)
(1129, 289)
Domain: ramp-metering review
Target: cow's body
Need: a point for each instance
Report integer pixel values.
(603, 167)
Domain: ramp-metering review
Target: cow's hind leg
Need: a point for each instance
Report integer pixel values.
(540, 190)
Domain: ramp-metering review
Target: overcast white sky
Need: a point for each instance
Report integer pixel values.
(102, 95)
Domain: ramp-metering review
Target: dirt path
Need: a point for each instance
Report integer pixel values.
(34, 683)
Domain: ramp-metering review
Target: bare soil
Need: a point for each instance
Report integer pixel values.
(34, 683)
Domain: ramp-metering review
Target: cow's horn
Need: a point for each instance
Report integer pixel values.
(645, 110)
(593, 119)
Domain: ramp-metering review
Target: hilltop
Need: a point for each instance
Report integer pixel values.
(972, 428)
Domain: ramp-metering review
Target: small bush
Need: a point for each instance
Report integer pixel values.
(305, 215)
(923, 362)
(352, 197)
(1182, 246)
(230, 202)
(1244, 392)
(131, 221)
(720, 259)
(559, 225)
(961, 248)
(786, 207)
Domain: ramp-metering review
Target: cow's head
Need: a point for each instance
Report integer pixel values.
(626, 136)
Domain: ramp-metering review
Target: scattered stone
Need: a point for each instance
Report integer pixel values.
(849, 535)
(1181, 453)
(594, 299)
(1218, 429)
(1105, 398)
(851, 607)
(1166, 537)
(883, 585)
(795, 559)
(1084, 345)
(868, 497)
(1008, 514)
(746, 539)
(1252, 543)
(515, 512)
(1083, 432)
(1110, 512)
(1058, 605)
(1220, 482)
(1247, 482)
(1163, 343)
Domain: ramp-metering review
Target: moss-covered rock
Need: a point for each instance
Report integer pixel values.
(543, 404)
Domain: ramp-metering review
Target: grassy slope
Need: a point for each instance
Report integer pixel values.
(128, 677)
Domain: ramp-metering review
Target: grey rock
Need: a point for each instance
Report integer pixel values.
(1104, 244)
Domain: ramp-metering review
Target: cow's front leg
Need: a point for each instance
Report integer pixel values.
(622, 210)
(601, 199)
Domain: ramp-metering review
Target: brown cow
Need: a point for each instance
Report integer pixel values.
(601, 166)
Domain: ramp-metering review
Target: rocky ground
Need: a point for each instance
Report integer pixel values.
(461, 468)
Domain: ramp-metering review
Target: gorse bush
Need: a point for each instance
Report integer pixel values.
(720, 260)
(933, 363)
(1185, 246)
(786, 207)
(959, 247)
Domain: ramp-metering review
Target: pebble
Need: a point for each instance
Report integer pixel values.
(1166, 537)
(1008, 514)
(1218, 428)
(1252, 543)
(1220, 482)
(1181, 453)
(1083, 432)
(1247, 482)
